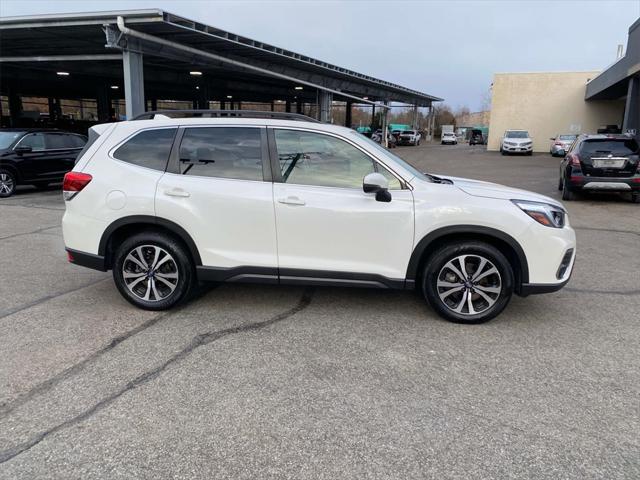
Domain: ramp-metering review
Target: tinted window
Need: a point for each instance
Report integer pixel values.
(223, 152)
(58, 141)
(614, 147)
(77, 141)
(314, 159)
(148, 149)
(33, 140)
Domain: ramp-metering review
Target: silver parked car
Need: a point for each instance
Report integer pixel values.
(561, 143)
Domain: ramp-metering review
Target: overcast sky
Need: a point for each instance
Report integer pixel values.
(445, 48)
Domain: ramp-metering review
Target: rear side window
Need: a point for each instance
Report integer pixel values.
(614, 147)
(57, 141)
(222, 152)
(76, 141)
(149, 148)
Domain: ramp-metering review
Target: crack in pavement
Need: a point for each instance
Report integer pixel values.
(11, 311)
(198, 341)
(40, 230)
(7, 407)
(605, 230)
(604, 292)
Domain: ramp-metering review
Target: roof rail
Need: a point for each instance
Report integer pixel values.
(225, 113)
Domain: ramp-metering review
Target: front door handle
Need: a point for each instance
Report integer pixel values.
(177, 192)
(291, 201)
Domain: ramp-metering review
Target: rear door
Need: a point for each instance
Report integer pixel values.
(61, 150)
(218, 188)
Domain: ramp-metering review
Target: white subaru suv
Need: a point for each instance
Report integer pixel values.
(165, 202)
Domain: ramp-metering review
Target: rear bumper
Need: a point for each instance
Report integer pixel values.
(84, 259)
(606, 184)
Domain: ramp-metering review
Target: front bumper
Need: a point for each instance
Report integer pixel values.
(517, 149)
(556, 149)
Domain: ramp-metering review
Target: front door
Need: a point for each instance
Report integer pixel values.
(216, 189)
(327, 226)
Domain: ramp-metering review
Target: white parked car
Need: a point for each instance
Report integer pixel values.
(409, 137)
(168, 201)
(449, 138)
(516, 141)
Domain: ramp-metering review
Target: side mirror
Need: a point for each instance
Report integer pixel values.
(376, 183)
(552, 138)
(20, 149)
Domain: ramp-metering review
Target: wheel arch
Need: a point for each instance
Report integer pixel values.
(507, 245)
(15, 171)
(131, 225)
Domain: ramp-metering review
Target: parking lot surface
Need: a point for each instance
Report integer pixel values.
(254, 381)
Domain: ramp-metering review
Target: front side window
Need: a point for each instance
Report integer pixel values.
(222, 152)
(149, 148)
(33, 140)
(7, 138)
(308, 158)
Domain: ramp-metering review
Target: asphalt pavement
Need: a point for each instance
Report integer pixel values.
(268, 382)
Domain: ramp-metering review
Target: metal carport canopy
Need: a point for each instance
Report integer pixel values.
(65, 40)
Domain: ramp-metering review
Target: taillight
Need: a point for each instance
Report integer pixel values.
(73, 184)
(575, 160)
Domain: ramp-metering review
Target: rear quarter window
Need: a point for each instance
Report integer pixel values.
(149, 148)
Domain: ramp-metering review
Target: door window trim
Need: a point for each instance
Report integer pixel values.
(275, 161)
(174, 157)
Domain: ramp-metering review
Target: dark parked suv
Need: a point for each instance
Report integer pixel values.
(601, 163)
(36, 156)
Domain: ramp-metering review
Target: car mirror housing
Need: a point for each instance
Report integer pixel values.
(378, 184)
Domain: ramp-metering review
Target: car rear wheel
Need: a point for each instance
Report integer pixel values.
(7, 183)
(635, 197)
(153, 271)
(468, 282)
(567, 194)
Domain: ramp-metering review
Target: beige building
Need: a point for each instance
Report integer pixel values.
(547, 104)
(474, 118)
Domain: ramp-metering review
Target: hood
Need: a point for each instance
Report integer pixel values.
(518, 140)
(479, 188)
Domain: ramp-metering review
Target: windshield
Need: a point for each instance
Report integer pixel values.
(567, 137)
(614, 147)
(518, 134)
(7, 138)
(449, 134)
(408, 132)
(394, 158)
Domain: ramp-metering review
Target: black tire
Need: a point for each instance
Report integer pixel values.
(635, 197)
(7, 183)
(530, 153)
(560, 184)
(179, 264)
(441, 143)
(503, 152)
(567, 194)
(475, 251)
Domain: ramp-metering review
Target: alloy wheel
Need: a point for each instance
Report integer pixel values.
(6, 184)
(150, 273)
(469, 284)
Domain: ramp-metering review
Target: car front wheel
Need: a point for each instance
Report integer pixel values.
(153, 271)
(7, 183)
(468, 282)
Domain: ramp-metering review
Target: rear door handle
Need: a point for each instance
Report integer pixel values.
(291, 201)
(177, 192)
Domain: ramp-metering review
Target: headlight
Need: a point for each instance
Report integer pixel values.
(547, 215)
